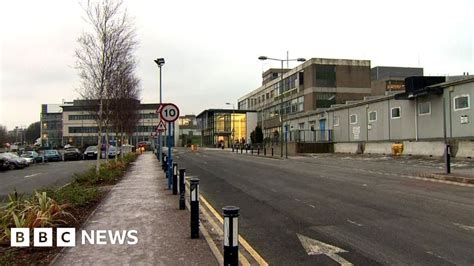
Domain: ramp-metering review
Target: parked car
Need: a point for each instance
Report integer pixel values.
(3, 163)
(32, 157)
(52, 156)
(72, 154)
(90, 153)
(113, 151)
(14, 161)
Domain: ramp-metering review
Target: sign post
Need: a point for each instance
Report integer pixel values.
(169, 112)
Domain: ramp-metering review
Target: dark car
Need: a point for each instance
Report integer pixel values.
(4, 163)
(14, 161)
(90, 153)
(52, 156)
(72, 154)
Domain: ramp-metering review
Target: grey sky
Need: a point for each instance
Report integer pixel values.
(211, 47)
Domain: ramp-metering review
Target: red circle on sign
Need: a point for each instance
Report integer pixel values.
(169, 112)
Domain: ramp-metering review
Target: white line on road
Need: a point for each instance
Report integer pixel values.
(465, 227)
(298, 200)
(352, 222)
(26, 176)
(273, 190)
(312, 206)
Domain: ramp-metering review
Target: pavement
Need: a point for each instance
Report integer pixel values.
(142, 202)
(338, 209)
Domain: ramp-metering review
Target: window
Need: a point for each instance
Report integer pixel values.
(353, 119)
(336, 121)
(372, 116)
(395, 112)
(461, 102)
(301, 125)
(424, 108)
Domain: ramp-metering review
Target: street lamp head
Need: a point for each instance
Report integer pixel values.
(159, 61)
(262, 58)
(228, 103)
(300, 59)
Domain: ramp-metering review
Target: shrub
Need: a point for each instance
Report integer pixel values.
(75, 194)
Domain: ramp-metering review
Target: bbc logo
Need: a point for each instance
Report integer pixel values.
(43, 237)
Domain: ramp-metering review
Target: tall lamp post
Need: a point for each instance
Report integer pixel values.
(232, 118)
(281, 93)
(160, 62)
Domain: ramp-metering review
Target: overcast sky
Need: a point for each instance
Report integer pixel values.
(211, 47)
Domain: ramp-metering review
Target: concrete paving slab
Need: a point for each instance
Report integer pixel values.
(141, 202)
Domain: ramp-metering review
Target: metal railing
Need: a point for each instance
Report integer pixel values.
(310, 136)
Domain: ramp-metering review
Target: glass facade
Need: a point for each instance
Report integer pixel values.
(222, 127)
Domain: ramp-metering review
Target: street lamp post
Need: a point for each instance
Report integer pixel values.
(281, 93)
(160, 62)
(232, 118)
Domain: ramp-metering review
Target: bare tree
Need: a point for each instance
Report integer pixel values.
(110, 43)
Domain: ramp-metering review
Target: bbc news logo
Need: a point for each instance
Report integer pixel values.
(66, 237)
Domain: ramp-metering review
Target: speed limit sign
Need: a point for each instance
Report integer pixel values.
(169, 112)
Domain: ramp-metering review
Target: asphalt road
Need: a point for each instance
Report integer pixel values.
(53, 174)
(370, 208)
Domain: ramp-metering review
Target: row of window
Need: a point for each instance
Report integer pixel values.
(460, 102)
(292, 106)
(95, 129)
(93, 117)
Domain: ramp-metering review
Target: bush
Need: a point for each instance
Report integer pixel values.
(75, 194)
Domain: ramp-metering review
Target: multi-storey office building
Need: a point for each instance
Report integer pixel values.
(74, 123)
(189, 133)
(51, 125)
(316, 84)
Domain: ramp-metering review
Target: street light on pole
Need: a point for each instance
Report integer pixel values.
(232, 118)
(263, 58)
(160, 62)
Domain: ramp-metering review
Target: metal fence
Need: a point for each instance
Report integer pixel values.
(310, 136)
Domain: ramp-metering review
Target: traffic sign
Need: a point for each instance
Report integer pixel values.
(158, 110)
(161, 126)
(169, 112)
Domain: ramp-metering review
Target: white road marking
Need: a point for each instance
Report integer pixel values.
(438, 256)
(298, 200)
(273, 190)
(364, 185)
(26, 176)
(465, 227)
(312, 206)
(315, 247)
(352, 222)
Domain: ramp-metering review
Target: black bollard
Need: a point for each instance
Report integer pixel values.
(447, 158)
(194, 194)
(175, 179)
(182, 189)
(251, 150)
(241, 149)
(231, 235)
(232, 147)
(265, 151)
(246, 149)
(258, 151)
(272, 151)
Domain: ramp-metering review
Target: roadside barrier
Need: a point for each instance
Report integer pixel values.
(182, 189)
(175, 178)
(194, 194)
(231, 235)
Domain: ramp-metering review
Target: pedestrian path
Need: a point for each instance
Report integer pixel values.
(141, 202)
